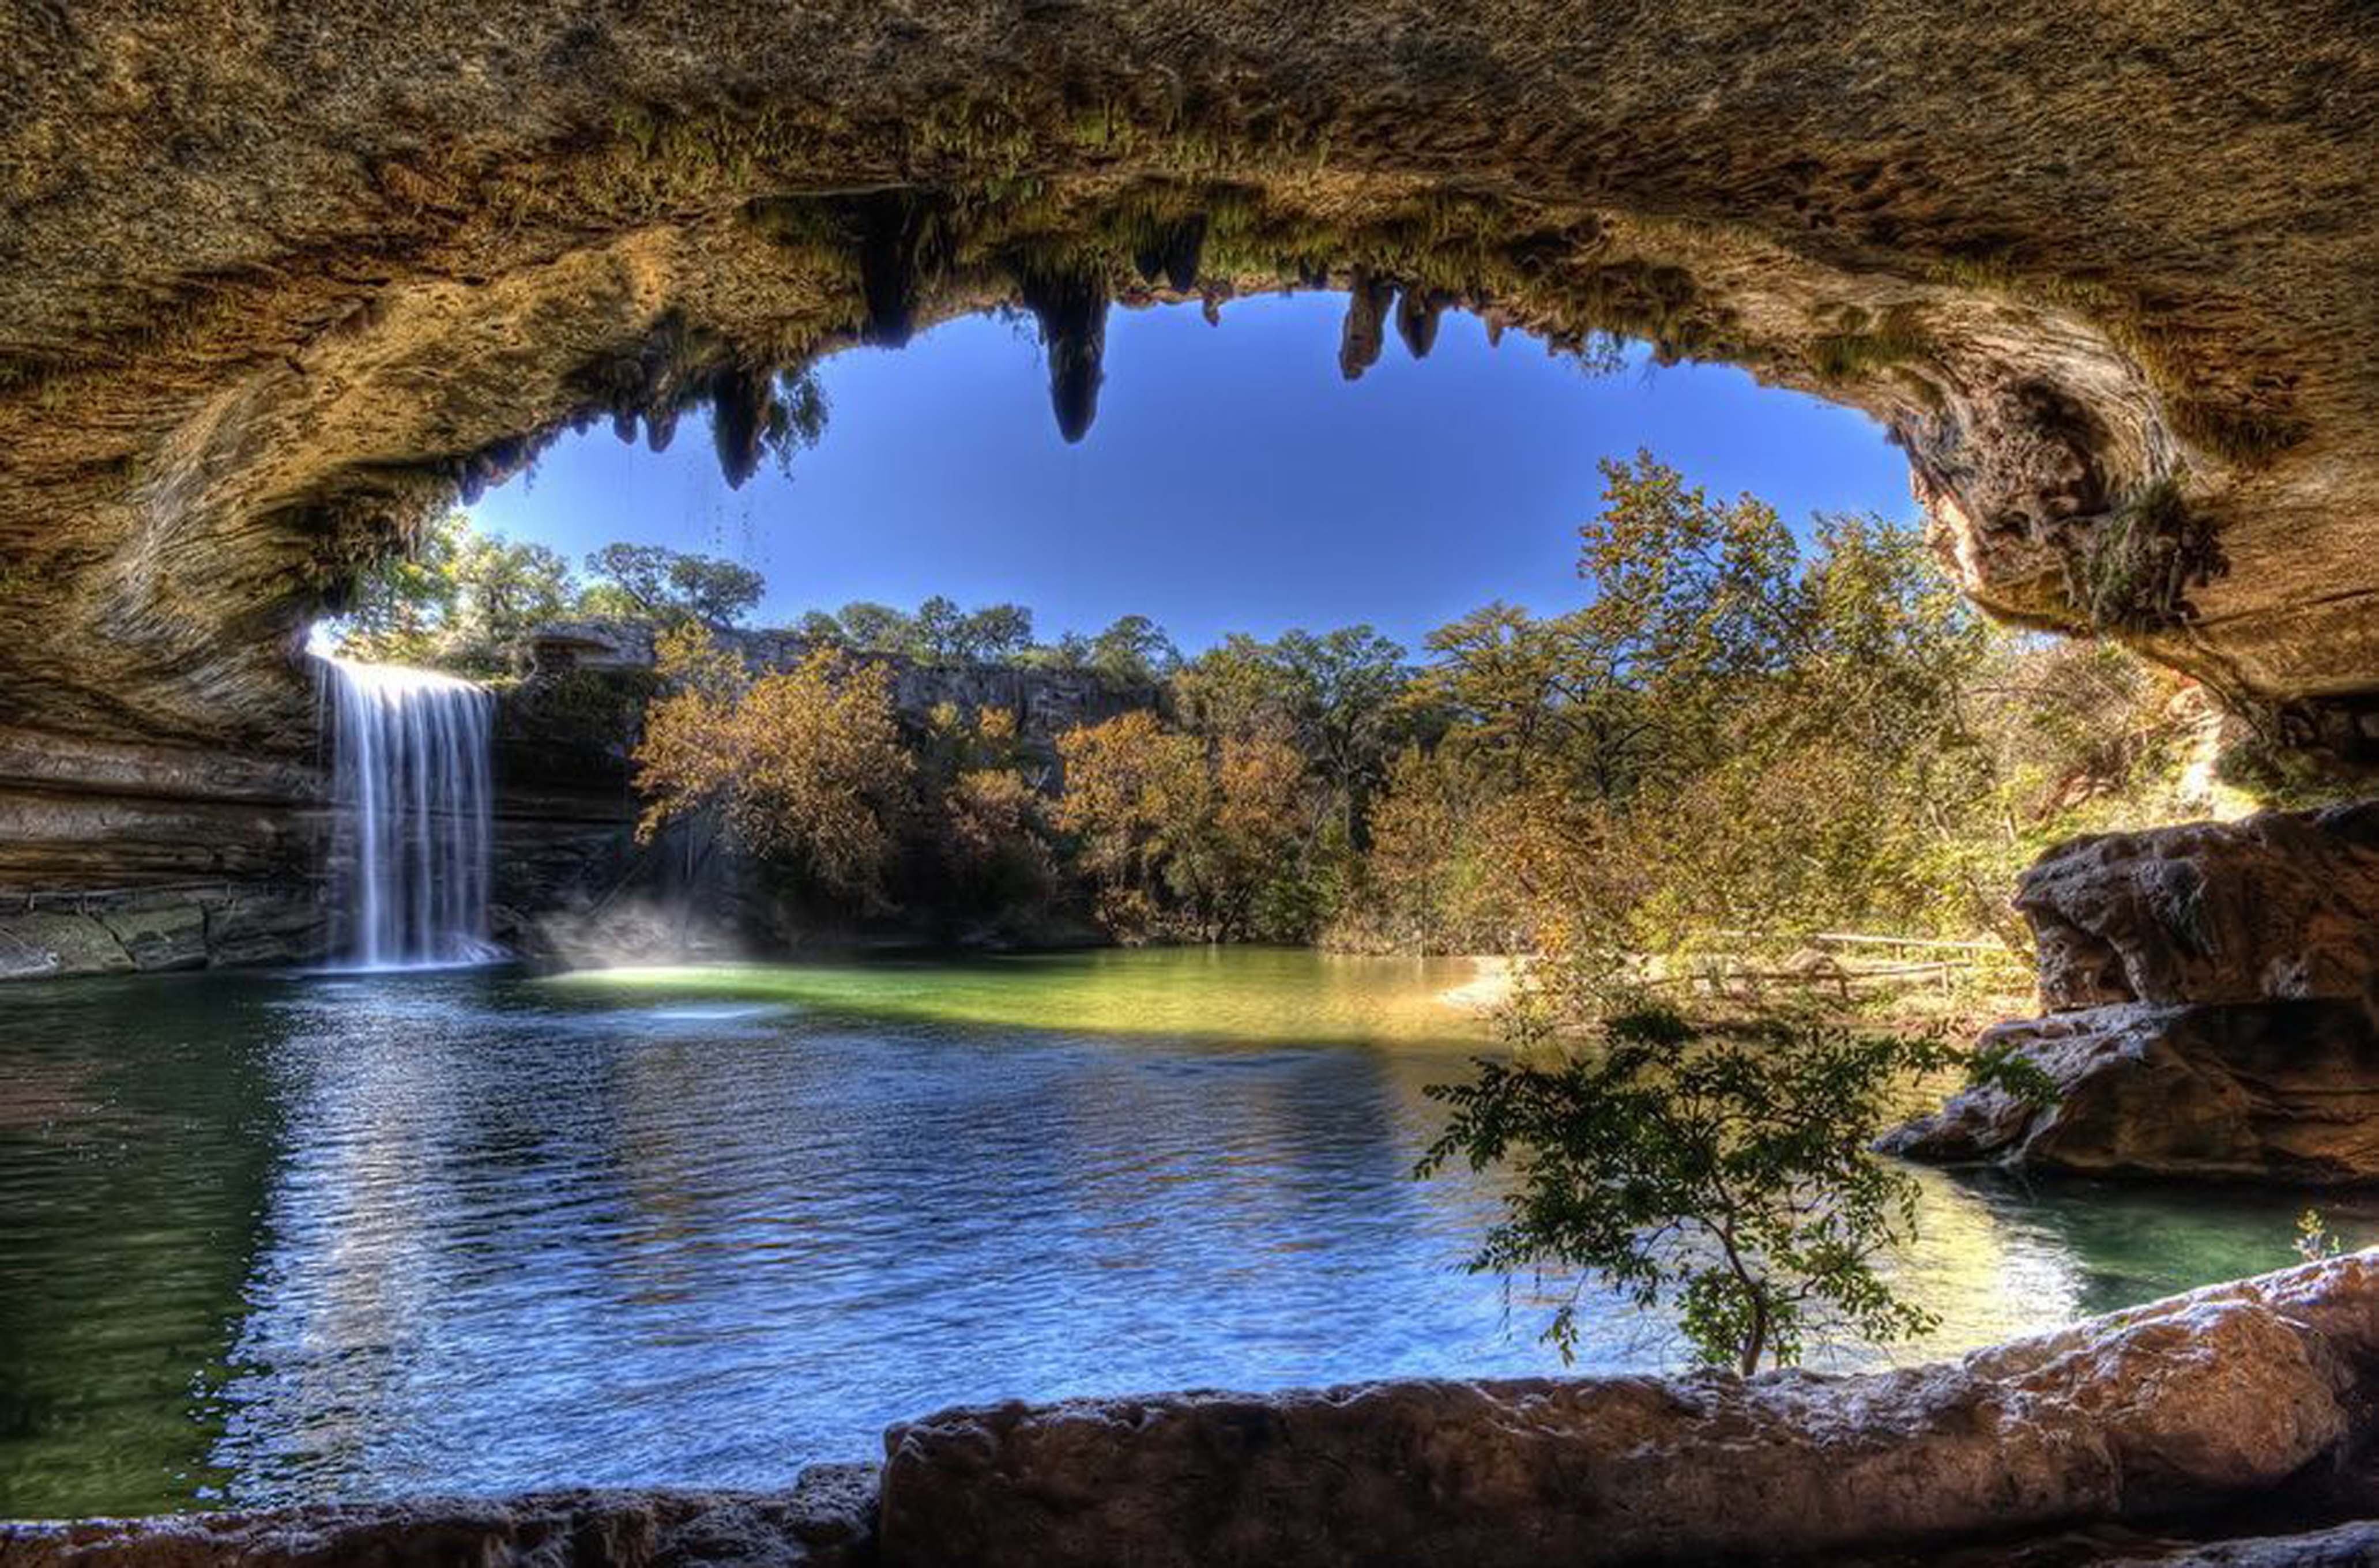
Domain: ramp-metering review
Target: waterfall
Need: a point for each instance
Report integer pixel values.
(410, 855)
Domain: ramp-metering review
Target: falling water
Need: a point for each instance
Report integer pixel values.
(411, 853)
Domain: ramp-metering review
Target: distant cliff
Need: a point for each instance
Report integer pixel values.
(569, 874)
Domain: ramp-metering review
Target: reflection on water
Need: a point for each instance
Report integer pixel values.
(265, 1239)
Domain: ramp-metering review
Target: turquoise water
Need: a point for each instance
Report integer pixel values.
(277, 1238)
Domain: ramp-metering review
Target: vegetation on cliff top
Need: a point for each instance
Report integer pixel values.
(1739, 740)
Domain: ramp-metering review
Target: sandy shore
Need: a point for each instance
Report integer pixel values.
(1489, 986)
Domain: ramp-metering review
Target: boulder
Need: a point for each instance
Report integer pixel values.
(2279, 905)
(2354, 1545)
(2189, 1403)
(2275, 1090)
(2211, 991)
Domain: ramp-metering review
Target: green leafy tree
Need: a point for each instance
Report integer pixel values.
(1346, 687)
(818, 629)
(459, 600)
(654, 583)
(998, 632)
(1237, 687)
(401, 607)
(870, 627)
(941, 631)
(1133, 651)
(1727, 1174)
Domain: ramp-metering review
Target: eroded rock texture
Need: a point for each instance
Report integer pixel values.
(2283, 904)
(2280, 1091)
(2192, 1402)
(275, 282)
(2214, 1007)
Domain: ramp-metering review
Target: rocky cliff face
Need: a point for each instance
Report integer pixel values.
(570, 880)
(2232, 1425)
(2214, 1007)
(271, 300)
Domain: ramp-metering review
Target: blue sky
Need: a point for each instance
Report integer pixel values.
(1233, 482)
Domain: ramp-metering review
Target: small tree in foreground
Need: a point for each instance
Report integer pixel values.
(1725, 1173)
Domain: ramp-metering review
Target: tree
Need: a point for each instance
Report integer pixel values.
(805, 768)
(999, 632)
(941, 631)
(1345, 688)
(991, 835)
(1523, 698)
(1725, 1173)
(508, 591)
(1127, 782)
(458, 599)
(401, 606)
(820, 629)
(1182, 835)
(1070, 653)
(654, 583)
(1237, 687)
(1133, 651)
(871, 627)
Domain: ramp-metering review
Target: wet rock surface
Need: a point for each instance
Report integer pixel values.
(825, 1520)
(2188, 1402)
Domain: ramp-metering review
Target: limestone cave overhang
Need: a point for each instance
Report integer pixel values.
(277, 282)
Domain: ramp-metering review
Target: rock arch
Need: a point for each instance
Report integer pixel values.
(275, 284)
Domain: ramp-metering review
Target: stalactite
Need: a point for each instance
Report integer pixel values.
(1068, 296)
(1418, 310)
(898, 250)
(1365, 331)
(741, 400)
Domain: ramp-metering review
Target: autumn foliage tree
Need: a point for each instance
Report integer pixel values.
(1180, 836)
(805, 768)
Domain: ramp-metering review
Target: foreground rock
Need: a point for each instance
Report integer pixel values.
(2191, 1404)
(2211, 989)
(825, 1521)
(2150, 1435)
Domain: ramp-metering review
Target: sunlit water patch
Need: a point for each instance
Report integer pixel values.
(268, 1239)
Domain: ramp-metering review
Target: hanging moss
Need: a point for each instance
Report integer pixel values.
(1860, 351)
(2138, 563)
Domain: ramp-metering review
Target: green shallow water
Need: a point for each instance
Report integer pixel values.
(279, 1239)
(1246, 995)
